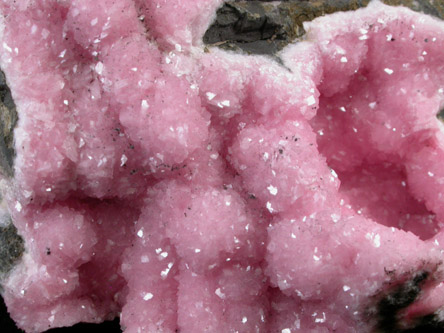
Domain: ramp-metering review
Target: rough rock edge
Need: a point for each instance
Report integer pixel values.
(11, 247)
(11, 243)
(266, 27)
(8, 121)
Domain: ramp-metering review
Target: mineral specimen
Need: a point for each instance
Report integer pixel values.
(187, 188)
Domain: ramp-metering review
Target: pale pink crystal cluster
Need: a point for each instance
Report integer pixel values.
(210, 191)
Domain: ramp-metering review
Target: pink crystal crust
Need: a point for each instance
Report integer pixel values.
(219, 192)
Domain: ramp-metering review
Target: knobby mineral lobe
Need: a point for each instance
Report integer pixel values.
(187, 188)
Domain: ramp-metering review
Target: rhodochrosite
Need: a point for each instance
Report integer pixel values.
(193, 189)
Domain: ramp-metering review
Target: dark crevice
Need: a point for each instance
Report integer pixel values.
(107, 326)
(6, 323)
(430, 324)
(440, 115)
(398, 299)
(389, 308)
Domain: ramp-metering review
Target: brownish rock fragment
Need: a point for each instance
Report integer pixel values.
(8, 120)
(265, 27)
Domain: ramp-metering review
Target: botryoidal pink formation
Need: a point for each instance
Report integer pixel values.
(187, 188)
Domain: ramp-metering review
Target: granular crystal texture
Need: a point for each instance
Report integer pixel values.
(182, 187)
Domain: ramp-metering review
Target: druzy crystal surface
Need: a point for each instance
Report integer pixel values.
(189, 189)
